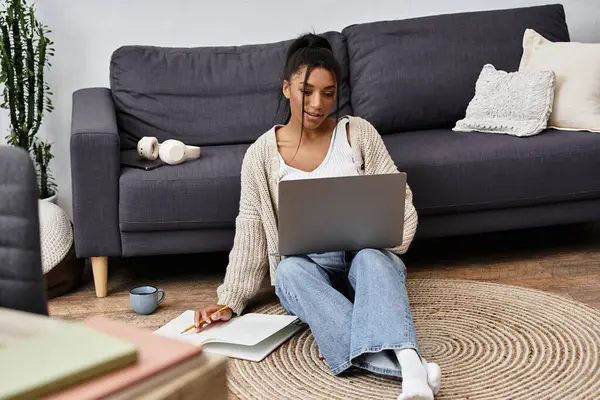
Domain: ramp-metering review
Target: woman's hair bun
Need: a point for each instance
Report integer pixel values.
(317, 42)
(311, 41)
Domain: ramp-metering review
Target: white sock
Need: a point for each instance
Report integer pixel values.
(434, 375)
(414, 376)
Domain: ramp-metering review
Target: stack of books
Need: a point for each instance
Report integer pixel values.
(94, 359)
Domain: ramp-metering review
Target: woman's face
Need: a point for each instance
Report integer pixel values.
(319, 96)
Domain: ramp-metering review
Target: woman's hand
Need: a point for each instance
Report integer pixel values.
(203, 313)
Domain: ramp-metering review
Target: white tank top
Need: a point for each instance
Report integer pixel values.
(337, 162)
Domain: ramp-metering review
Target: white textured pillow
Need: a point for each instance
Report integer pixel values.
(512, 103)
(577, 68)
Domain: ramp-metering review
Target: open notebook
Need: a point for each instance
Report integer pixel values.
(250, 336)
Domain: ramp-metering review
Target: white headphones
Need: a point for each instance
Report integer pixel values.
(170, 151)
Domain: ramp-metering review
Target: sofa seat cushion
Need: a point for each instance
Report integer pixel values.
(198, 194)
(466, 171)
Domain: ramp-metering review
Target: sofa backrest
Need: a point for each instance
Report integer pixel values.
(420, 73)
(204, 95)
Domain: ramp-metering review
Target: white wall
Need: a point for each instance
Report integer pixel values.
(86, 32)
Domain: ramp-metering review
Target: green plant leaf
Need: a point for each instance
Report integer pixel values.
(24, 54)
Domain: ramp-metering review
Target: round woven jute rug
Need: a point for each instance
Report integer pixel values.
(491, 341)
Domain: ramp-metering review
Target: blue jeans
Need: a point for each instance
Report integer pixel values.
(355, 304)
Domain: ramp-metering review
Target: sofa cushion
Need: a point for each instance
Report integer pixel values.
(201, 193)
(204, 95)
(466, 171)
(420, 73)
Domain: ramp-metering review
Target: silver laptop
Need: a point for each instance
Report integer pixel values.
(345, 213)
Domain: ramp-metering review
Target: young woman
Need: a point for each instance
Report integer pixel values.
(355, 303)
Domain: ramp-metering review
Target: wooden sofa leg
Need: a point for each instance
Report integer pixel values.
(100, 270)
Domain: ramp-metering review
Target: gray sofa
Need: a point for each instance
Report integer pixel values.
(22, 284)
(412, 79)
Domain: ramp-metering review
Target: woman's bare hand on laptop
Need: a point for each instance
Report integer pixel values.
(209, 314)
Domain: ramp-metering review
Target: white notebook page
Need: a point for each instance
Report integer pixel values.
(248, 329)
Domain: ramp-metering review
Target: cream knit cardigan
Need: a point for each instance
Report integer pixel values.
(255, 247)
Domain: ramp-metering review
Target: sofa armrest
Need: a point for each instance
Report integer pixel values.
(95, 170)
(21, 278)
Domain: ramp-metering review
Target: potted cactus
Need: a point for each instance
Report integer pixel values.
(24, 55)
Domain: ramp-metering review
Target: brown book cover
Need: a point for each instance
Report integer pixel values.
(155, 354)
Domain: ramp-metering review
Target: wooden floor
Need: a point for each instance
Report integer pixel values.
(563, 260)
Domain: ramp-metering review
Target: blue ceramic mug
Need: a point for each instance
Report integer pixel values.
(145, 299)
